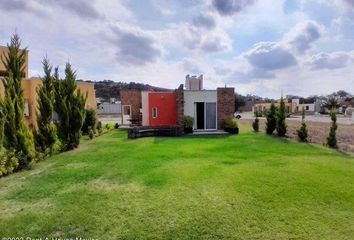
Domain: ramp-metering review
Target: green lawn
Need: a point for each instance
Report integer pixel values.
(249, 186)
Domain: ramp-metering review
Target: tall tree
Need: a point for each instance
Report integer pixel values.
(271, 123)
(70, 107)
(332, 139)
(46, 134)
(302, 132)
(330, 102)
(281, 116)
(17, 136)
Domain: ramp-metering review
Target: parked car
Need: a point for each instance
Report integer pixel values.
(237, 115)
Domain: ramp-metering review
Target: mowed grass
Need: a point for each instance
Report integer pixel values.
(249, 186)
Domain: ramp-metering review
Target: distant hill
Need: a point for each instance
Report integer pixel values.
(107, 89)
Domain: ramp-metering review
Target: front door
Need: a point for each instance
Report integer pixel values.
(126, 114)
(200, 113)
(205, 115)
(210, 116)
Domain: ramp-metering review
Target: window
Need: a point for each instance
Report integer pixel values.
(126, 110)
(307, 108)
(154, 112)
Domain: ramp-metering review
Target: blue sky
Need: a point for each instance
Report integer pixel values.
(261, 47)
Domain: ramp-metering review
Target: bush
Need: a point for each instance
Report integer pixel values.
(116, 126)
(70, 107)
(17, 135)
(107, 126)
(8, 162)
(231, 126)
(271, 122)
(230, 123)
(90, 122)
(99, 128)
(302, 133)
(281, 116)
(188, 122)
(332, 139)
(91, 133)
(46, 133)
(99, 125)
(255, 124)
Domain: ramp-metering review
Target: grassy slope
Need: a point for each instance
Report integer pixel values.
(247, 187)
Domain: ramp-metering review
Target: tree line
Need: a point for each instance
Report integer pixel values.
(276, 121)
(21, 146)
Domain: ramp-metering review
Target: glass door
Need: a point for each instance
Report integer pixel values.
(210, 115)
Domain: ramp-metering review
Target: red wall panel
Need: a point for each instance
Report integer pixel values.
(165, 102)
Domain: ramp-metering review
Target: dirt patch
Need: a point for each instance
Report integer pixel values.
(318, 132)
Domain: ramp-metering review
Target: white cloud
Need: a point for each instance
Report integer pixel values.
(332, 60)
(303, 35)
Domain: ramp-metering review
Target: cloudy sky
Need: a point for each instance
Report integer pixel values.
(257, 46)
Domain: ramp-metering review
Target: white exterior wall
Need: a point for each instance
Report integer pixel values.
(310, 105)
(191, 97)
(145, 107)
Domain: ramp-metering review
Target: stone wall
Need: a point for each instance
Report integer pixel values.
(226, 104)
(132, 98)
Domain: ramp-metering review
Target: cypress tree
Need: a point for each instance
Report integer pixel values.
(281, 116)
(271, 123)
(46, 135)
(70, 107)
(17, 136)
(90, 122)
(302, 133)
(255, 124)
(332, 139)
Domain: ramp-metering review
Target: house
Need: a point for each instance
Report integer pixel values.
(309, 107)
(292, 106)
(209, 108)
(131, 106)
(30, 86)
(263, 107)
(159, 108)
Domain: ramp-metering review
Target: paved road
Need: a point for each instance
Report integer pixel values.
(312, 118)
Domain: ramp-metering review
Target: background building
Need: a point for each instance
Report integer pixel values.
(209, 108)
(30, 86)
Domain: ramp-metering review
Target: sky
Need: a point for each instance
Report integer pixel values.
(262, 47)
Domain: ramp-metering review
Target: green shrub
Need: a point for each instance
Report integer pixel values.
(91, 133)
(8, 162)
(332, 139)
(99, 128)
(255, 124)
(116, 126)
(90, 122)
(46, 133)
(107, 126)
(271, 119)
(230, 123)
(188, 122)
(99, 125)
(70, 107)
(302, 133)
(17, 136)
(281, 116)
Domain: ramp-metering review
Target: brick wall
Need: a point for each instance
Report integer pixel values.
(226, 104)
(132, 98)
(180, 106)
